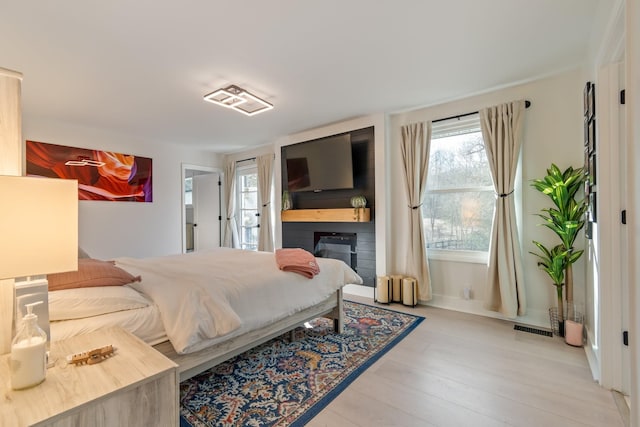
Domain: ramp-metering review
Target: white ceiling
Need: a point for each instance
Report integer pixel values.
(142, 67)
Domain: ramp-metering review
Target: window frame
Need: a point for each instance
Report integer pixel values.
(458, 126)
(242, 169)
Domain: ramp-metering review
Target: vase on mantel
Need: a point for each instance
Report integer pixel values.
(287, 203)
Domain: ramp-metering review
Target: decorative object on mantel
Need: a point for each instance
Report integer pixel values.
(287, 202)
(358, 202)
(101, 175)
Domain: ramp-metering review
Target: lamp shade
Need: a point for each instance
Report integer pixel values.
(38, 226)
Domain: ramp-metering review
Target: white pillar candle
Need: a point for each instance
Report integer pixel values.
(383, 290)
(396, 281)
(409, 291)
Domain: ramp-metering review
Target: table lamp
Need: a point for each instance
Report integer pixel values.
(38, 236)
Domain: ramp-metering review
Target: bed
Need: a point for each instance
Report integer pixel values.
(202, 308)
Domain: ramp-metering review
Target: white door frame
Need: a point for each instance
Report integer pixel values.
(609, 235)
(185, 168)
(632, 26)
(607, 348)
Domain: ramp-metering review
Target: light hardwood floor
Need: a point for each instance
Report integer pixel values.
(458, 369)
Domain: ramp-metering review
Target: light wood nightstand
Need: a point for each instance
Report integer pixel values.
(137, 386)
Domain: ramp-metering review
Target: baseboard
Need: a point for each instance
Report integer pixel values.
(592, 356)
(534, 317)
(539, 318)
(360, 290)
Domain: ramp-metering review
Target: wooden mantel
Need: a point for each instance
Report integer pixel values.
(327, 215)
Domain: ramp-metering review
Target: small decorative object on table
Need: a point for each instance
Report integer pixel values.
(91, 357)
(358, 201)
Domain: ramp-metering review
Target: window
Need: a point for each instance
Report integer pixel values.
(247, 205)
(188, 191)
(460, 199)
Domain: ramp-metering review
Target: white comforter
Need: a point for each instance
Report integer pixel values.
(205, 297)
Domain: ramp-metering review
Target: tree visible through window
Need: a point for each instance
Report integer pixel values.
(458, 207)
(247, 188)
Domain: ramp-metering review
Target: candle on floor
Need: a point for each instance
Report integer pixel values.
(383, 290)
(409, 291)
(396, 294)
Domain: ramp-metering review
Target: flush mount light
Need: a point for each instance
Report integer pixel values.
(238, 99)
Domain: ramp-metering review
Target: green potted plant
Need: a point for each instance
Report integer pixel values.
(566, 218)
(554, 262)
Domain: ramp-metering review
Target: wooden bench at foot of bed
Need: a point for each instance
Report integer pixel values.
(193, 363)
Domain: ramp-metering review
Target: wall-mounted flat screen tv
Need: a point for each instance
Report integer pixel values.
(321, 164)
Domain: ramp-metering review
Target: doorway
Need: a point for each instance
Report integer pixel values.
(201, 208)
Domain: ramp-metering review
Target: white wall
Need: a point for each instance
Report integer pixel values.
(553, 132)
(112, 229)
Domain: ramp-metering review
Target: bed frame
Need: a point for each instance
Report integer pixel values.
(193, 363)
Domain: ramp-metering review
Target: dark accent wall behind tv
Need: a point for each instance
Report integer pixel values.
(300, 234)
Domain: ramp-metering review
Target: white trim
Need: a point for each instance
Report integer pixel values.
(612, 45)
(632, 50)
(533, 317)
(591, 351)
(608, 251)
(473, 257)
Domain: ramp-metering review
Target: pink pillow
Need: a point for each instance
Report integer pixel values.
(91, 273)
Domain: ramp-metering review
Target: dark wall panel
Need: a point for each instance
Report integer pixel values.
(300, 234)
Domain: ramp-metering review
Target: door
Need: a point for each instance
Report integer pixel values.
(206, 211)
(201, 208)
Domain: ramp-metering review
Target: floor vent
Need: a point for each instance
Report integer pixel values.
(532, 330)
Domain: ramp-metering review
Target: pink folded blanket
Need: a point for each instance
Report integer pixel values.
(298, 261)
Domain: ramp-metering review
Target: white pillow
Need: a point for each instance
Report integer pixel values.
(77, 303)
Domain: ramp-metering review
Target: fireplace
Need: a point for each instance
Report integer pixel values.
(340, 246)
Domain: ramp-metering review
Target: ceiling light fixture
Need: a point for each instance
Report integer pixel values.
(238, 99)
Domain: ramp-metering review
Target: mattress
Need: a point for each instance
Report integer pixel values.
(145, 323)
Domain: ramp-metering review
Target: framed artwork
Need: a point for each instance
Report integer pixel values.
(101, 175)
(591, 101)
(585, 94)
(586, 133)
(587, 188)
(592, 169)
(592, 136)
(593, 208)
(586, 162)
(588, 230)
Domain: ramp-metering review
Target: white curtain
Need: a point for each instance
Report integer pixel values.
(502, 134)
(265, 181)
(416, 139)
(231, 227)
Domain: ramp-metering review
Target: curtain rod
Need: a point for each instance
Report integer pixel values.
(252, 158)
(527, 104)
(246, 160)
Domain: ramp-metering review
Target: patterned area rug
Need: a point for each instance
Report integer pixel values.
(283, 383)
